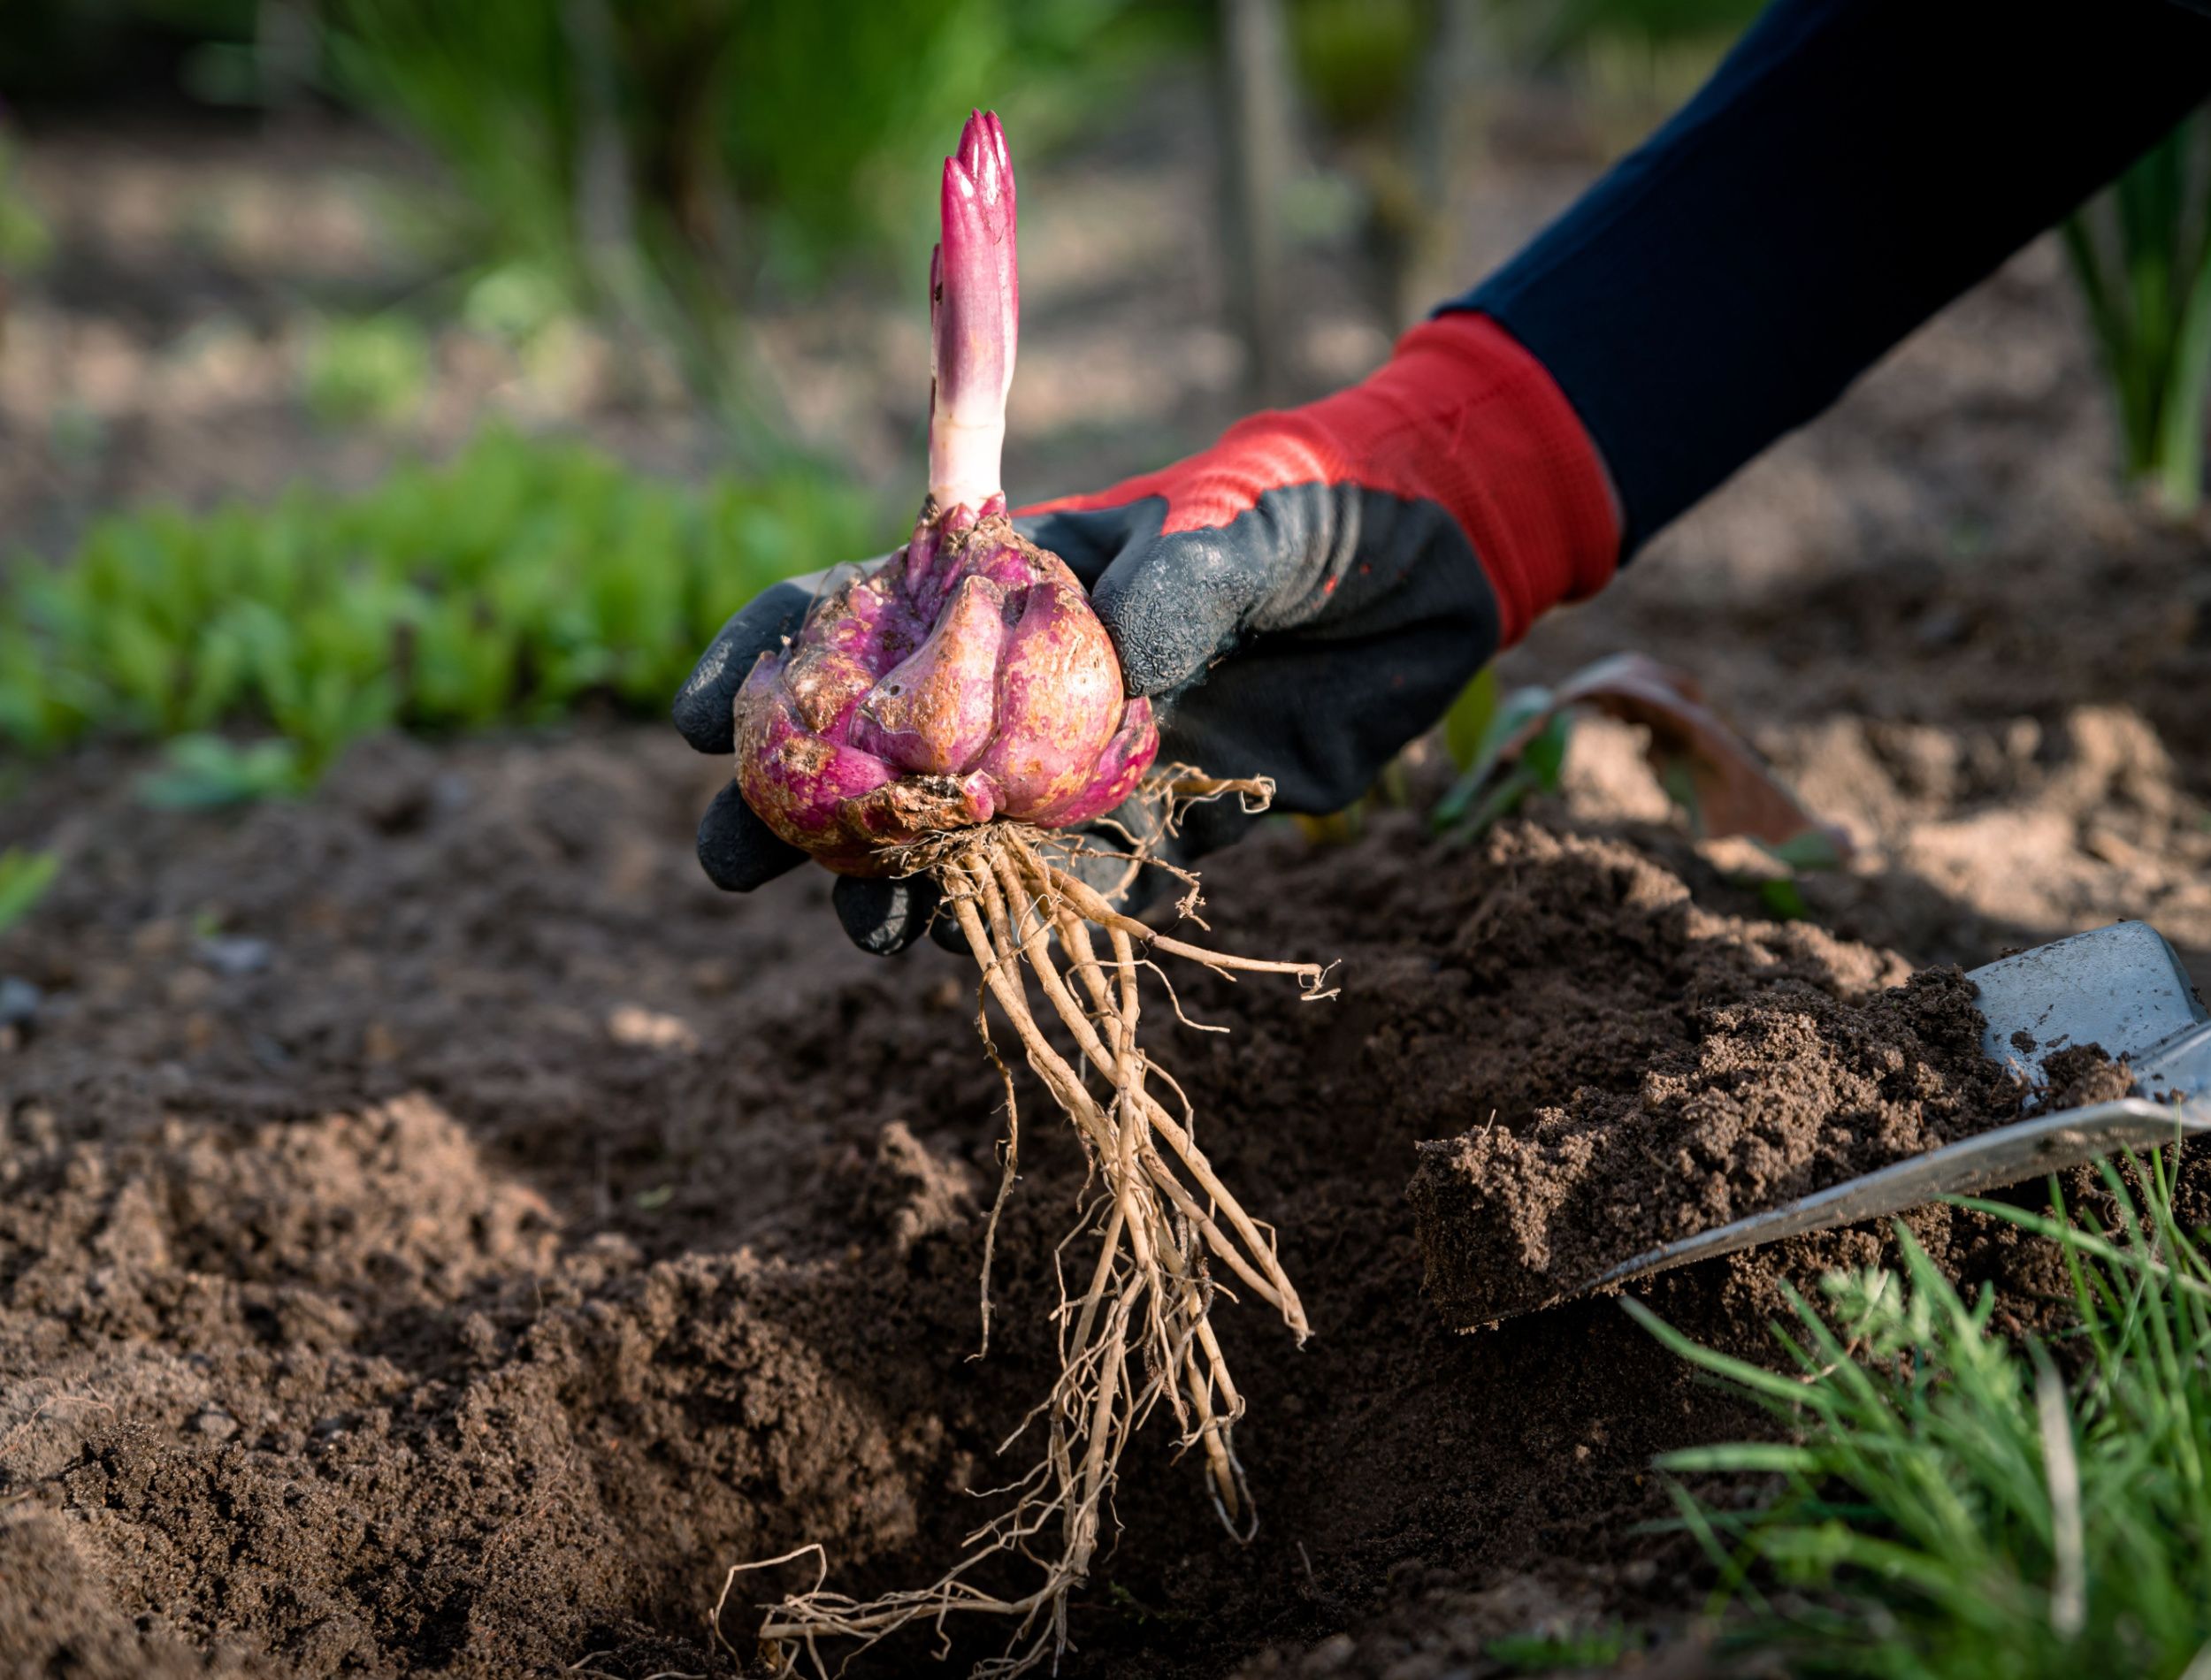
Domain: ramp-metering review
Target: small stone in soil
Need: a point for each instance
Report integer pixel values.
(20, 1001)
(233, 956)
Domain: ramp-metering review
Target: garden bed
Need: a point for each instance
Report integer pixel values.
(441, 1233)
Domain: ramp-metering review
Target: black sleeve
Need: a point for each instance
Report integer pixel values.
(1850, 168)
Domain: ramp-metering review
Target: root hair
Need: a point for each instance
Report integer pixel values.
(1139, 1335)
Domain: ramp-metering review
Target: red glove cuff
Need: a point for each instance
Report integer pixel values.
(1461, 416)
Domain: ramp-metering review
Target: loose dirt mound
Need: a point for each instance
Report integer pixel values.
(492, 1235)
(1772, 1088)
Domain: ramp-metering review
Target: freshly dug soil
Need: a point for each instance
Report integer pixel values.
(2082, 1074)
(1770, 1088)
(438, 1233)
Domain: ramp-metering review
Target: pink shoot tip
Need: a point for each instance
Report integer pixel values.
(975, 310)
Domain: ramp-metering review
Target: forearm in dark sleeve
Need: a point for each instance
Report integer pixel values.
(1853, 166)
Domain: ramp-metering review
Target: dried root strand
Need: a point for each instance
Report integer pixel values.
(1140, 1334)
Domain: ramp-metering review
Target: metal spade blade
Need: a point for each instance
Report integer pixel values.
(2121, 987)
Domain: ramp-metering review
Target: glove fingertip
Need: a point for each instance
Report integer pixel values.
(708, 727)
(704, 707)
(944, 933)
(737, 850)
(884, 917)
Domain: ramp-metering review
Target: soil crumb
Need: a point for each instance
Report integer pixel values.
(1769, 1089)
(2081, 1074)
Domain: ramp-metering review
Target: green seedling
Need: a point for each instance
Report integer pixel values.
(1944, 1501)
(1549, 1653)
(1812, 850)
(519, 582)
(1466, 725)
(206, 772)
(2141, 255)
(1539, 768)
(1496, 780)
(1782, 896)
(25, 876)
(376, 369)
(1716, 778)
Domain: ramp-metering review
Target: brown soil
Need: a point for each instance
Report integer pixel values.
(463, 1276)
(2082, 1074)
(1763, 1088)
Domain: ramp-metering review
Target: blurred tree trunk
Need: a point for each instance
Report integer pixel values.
(1257, 144)
(604, 213)
(1457, 73)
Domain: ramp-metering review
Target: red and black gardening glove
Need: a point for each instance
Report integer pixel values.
(1300, 601)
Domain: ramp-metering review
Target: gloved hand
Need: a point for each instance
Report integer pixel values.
(1300, 599)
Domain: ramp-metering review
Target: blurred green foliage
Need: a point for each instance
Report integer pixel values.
(510, 586)
(1561, 27)
(669, 160)
(2141, 254)
(1632, 63)
(205, 772)
(24, 239)
(1466, 725)
(829, 126)
(1595, 1648)
(491, 88)
(25, 876)
(374, 368)
(1358, 60)
(663, 163)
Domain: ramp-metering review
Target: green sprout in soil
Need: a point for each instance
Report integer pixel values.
(24, 878)
(1719, 783)
(1781, 895)
(512, 585)
(1499, 767)
(1550, 1653)
(1946, 1501)
(2141, 254)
